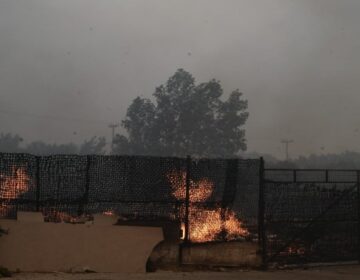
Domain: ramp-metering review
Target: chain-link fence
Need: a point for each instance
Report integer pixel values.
(297, 216)
(213, 199)
(311, 216)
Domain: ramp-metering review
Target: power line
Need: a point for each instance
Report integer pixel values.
(52, 117)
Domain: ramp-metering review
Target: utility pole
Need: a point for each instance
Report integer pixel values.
(287, 142)
(113, 126)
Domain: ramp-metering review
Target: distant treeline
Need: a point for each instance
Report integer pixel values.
(345, 160)
(10, 143)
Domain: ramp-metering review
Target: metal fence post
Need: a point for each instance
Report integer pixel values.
(230, 190)
(85, 199)
(187, 198)
(358, 210)
(261, 215)
(38, 183)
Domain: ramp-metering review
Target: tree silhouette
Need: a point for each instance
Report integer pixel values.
(185, 119)
(94, 146)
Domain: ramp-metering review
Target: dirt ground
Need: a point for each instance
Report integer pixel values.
(334, 272)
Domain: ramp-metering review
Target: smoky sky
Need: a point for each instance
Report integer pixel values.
(70, 67)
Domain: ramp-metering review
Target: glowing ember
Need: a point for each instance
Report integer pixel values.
(205, 225)
(55, 216)
(108, 213)
(199, 190)
(208, 225)
(182, 232)
(295, 250)
(234, 226)
(12, 186)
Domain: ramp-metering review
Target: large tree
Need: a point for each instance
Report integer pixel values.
(185, 118)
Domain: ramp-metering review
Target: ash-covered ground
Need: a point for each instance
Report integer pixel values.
(334, 272)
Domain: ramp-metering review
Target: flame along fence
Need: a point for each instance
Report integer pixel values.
(296, 216)
(214, 199)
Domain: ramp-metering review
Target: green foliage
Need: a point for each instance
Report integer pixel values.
(185, 119)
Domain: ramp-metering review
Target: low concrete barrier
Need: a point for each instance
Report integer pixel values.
(229, 254)
(33, 245)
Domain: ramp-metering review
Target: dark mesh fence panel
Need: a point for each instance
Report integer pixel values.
(223, 200)
(133, 187)
(311, 216)
(71, 188)
(62, 183)
(247, 195)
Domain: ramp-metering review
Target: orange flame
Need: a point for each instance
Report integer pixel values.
(205, 225)
(15, 184)
(12, 186)
(182, 231)
(108, 213)
(199, 191)
(56, 216)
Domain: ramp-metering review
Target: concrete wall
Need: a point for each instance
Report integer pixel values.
(230, 254)
(33, 245)
(222, 254)
(166, 255)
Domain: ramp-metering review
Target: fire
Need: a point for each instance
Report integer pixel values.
(182, 231)
(55, 216)
(12, 186)
(199, 191)
(234, 226)
(15, 184)
(58, 217)
(108, 213)
(295, 250)
(205, 225)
